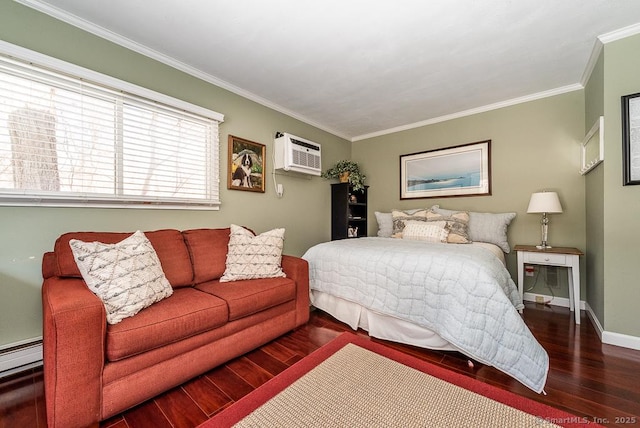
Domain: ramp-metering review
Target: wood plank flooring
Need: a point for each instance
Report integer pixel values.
(598, 382)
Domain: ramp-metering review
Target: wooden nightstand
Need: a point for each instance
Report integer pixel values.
(556, 256)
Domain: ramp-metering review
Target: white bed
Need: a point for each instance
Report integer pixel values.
(431, 295)
(383, 326)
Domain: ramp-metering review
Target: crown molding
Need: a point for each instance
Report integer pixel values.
(470, 112)
(591, 64)
(602, 40)
(120, 40)
(622, 33)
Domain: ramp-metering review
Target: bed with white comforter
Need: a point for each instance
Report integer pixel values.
(429, 294)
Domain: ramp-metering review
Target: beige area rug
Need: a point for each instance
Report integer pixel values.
(352, 382)
(359, 388)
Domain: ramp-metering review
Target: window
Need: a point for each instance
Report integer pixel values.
(66, 142)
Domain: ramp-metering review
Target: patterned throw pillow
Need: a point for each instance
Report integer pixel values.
(400, 217)
(487, 227)
(250, 256)
(430, 231)
(126, 276)
(457, 223)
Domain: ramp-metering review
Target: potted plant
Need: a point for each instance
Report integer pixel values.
(348, 172)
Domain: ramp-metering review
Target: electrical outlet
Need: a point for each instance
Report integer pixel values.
(539, 299)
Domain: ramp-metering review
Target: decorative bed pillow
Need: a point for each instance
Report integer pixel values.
(487, 227)
(385, 221)
(251, 257)
(457, 223)
(430, 231)
(400, 217)
(126, 276)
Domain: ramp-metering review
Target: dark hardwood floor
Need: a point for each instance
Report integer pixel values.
(586, 378)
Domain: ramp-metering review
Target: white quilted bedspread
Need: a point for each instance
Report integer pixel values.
(462, 292)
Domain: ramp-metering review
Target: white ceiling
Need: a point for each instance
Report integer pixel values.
(359, 68)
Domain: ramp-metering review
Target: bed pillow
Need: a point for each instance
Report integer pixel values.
(457, 223)
(251, 257)
(430, 231)
(401, 217)
(385, 221)
(126, 276)
(487, 227)
(385, 224)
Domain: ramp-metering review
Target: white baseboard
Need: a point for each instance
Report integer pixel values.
(608, 337)
(612, 338)
(19, 356)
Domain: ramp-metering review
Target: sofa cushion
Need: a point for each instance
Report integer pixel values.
(208, 249)
(169, 245)
(246, 297)
(186, 313)
(126, 276)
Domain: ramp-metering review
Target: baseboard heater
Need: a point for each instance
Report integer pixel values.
(21, 356)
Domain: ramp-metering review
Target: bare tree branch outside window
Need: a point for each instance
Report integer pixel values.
(33, 147)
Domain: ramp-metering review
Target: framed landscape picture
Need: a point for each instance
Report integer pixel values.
(246, 165)
(463, 170)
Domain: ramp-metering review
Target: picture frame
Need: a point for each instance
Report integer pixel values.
(631, 139)
(246, 165)
(463, 170)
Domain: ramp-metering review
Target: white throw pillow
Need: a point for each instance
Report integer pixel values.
(126, 276)
(251, 257)
(433, 231)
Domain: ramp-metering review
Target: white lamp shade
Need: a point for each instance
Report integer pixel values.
(544, 202)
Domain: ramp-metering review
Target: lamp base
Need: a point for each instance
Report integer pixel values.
(543, 247)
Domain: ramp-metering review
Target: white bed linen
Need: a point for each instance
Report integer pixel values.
(461, 292)
(384, 326)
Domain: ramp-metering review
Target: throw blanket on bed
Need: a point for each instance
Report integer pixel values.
(462, 292)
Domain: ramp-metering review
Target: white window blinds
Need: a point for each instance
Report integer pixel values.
(64, 141)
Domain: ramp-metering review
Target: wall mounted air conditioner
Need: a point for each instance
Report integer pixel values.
(297, 154)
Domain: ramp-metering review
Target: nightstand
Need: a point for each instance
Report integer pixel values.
(556, 256)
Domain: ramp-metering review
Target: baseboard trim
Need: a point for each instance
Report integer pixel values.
(20, 356)
(610, 337)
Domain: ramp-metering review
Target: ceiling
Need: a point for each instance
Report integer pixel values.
(361, 68)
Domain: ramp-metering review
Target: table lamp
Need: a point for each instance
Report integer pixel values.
(545, 203)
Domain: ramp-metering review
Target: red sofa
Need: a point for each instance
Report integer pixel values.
(94, 370)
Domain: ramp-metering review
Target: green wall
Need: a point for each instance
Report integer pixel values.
(534, 146)
(27, 232)
(594, 201)
(621, 203)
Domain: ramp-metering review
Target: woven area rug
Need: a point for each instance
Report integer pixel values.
(353, 382)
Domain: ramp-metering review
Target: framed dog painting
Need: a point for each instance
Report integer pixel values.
(246, 165)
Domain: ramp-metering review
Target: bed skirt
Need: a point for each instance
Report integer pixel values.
(378, 325)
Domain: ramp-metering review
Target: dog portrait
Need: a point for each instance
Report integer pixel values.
(246, 165)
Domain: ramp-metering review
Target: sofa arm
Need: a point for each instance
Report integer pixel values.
(297, 269)
(74, 326)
